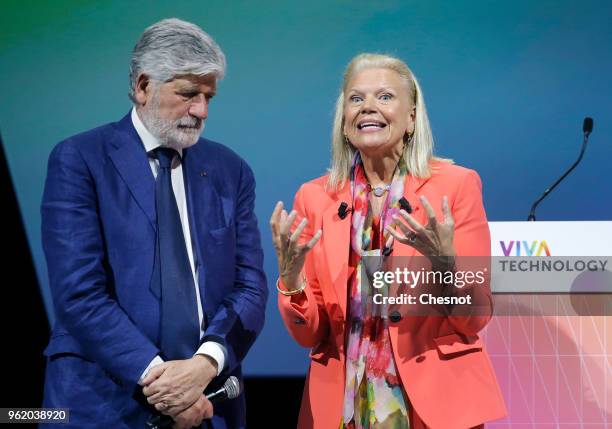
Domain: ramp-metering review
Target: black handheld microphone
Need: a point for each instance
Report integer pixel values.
(587, 128)
(231, 389)
(403, 202)
(343, 210)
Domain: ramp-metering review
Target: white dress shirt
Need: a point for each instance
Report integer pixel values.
(209, 348)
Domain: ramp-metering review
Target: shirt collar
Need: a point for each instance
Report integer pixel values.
(149, 141)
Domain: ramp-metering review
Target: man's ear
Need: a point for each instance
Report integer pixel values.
(142, 92)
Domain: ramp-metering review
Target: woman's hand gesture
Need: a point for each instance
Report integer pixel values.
(434, 240)
(289, 252)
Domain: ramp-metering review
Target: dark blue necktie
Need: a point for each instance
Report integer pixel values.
(180, 330)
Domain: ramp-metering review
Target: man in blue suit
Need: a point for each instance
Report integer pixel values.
(153, 251)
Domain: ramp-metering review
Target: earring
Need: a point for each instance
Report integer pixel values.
(346, 140)
(408, 137)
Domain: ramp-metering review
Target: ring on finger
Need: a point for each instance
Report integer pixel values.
(412, 238)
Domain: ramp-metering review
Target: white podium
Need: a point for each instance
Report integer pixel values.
(551, 257)
(567, 238)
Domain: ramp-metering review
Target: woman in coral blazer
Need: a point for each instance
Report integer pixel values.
(371, 367)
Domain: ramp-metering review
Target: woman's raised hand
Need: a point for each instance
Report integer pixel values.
(434, 240)
(289, 252)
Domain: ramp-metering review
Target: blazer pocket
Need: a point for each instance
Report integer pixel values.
(63, 344)
(453, 345)
(221, 234)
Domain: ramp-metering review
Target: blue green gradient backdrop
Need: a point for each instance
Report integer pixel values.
(506, 83)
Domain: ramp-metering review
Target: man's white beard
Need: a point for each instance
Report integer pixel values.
(178, 134)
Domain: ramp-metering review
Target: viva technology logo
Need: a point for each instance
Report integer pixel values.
(523, 248)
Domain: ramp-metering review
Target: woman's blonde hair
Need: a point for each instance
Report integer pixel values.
(419, 150)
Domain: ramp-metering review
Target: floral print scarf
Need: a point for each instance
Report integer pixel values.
(373, 395)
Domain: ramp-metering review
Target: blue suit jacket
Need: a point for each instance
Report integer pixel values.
(99, 229)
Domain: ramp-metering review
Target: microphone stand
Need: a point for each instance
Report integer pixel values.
(587, 127)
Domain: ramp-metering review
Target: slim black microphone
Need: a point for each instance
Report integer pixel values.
(587, 127)
(231, 389)
(343, 210)
(405, 205)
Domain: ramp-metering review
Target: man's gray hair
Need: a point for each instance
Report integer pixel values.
(173, 47)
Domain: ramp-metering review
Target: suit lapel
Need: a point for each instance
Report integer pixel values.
(203, 200)
(205, 211)
(132, 163)
(336, 244)
(411, 186)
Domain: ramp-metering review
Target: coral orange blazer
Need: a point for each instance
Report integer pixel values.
(443, 366)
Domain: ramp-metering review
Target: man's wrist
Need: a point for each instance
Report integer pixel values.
(156, 361)
(216, 351)
(209, 366)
